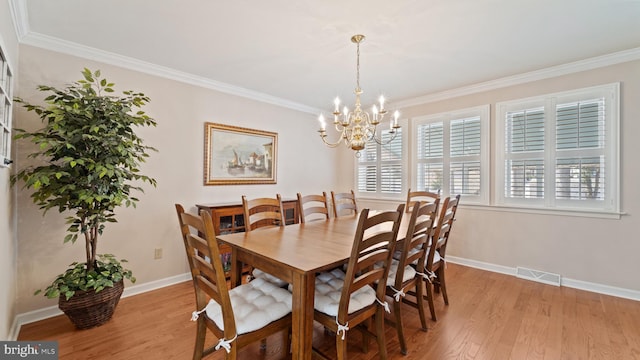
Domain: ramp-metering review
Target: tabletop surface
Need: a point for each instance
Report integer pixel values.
(305, 247)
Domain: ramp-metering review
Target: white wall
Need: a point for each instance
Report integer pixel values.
(304, 165)
(601, 252)
(9, 44)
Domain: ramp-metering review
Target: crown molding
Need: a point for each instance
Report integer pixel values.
(75, 49)
(20, 17)
(25, 36)
(551, 72)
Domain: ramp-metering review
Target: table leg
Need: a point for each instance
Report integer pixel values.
(236, 269)
(302, 314)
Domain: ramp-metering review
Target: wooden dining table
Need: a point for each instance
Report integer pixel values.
(295, 253)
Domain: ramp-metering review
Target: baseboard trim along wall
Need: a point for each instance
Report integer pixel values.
(571, 283)
(45, 313)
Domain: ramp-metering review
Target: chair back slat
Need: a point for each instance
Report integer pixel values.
(262, 212)
(344, 202)
(368, 250)
(314, 206)
(422, 196)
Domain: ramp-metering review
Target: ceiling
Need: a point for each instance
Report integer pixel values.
(299, 52)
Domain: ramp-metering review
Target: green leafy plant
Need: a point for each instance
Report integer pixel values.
(107, 271)
(91, 155)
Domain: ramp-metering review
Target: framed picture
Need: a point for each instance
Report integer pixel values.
(235, 155)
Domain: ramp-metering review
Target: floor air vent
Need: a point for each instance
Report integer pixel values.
(539, 276)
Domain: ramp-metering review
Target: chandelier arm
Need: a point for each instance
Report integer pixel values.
(331, 144)
(379, 141)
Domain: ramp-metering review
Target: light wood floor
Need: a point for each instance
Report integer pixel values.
(490, 316)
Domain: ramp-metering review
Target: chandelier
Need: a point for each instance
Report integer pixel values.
(358, 127)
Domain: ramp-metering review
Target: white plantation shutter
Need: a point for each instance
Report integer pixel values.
(524, 159)
(452, 154)
(391, 164)
(429, 177)
(379, 169)
(430, 152)
(368, 169)
(560, 151)
(580, 145)
(525, 179)
(430, 141)
(464, 152)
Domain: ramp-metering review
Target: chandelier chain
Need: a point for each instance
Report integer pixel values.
(358, 66)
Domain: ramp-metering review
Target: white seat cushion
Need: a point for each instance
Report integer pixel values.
(409, 273)
(259, 274)
(255, 305)
(329, 289)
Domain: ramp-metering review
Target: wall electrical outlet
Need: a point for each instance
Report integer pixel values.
(157, 253)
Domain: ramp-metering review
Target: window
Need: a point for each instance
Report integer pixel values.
(379, 168)
(560, 151)
(452, 154)
(5, 110)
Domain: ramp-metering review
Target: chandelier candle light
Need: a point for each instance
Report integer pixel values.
(358, 127)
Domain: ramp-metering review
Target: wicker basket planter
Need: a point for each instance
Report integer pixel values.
(87, 309)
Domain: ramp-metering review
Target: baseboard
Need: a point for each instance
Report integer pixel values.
(571, 283)
(45, 313)
(482, 265)
(14, 330)
(602, 289)
(154, 285)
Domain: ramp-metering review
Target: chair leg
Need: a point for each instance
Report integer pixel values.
(233, 354)
(201, 334)
(430, 288)
(365, 335)
(443, 285)
(382, 344)
(286, 342)
(341, 347)
(420, 304)
(397, 305)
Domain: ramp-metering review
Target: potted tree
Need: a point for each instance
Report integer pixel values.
(90, 158)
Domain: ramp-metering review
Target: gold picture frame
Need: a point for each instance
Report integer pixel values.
(235, 155)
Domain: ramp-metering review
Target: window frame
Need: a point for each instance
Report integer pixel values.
(484, 113)
(6, 108)
(611, 151)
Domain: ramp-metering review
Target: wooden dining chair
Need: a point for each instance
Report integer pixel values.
(342, 202)
(313, 206)
(423, 196)
(403, 277)
(261, 213)
(236, 317)
(435, 263)
(350, 300)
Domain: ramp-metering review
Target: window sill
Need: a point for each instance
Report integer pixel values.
(540, 211)
(515, 209)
